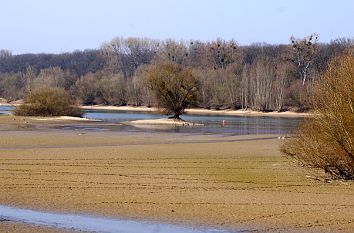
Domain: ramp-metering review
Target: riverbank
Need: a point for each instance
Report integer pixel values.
(192, 111)
(195, 111)
(233, 182)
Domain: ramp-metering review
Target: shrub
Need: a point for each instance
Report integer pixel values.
(174, 87)
(327, 140)
(48, 102)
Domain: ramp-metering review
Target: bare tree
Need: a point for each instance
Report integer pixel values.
(113, 89)
(5, 54)
(50, 77)
(282, 74)
(261, 83)
(29, 76)
(125, 55)
(171, 50)
(304, 51)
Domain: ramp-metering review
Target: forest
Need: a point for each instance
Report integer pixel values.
(259, 76)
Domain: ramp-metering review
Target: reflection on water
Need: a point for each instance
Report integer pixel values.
(229, 125)
(93, 224)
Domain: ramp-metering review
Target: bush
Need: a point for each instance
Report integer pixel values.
(327, 140)
(48, 102)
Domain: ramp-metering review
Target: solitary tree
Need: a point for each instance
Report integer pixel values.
(174, 87)
(327, 140)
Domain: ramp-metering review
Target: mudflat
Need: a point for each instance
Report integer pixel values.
(12, 227)
(233, 182)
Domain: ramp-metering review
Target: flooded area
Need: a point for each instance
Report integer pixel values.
(93, 224)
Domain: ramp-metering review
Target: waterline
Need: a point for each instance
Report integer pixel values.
(93, 224)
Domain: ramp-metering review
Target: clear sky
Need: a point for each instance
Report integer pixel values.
(53, 26)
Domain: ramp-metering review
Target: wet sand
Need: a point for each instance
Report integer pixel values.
(12, 227)
(234, 182)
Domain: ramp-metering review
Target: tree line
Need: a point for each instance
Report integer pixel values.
(260, 76)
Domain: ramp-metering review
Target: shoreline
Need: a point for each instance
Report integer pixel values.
(63, 118)
(202, 112)
(92, 223)
(194, 111)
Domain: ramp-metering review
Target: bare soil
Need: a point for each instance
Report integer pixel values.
(238, 182)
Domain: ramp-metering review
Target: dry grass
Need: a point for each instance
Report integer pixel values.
(233, 182)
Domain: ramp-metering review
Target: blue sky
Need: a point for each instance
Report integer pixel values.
(53, 26)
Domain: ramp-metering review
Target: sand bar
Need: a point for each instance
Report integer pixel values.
(163, 121)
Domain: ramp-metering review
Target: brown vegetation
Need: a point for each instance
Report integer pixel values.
(48, 102)
(175, 88)
(327, 140)
(259, 76)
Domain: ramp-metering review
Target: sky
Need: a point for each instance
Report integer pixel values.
(55, 26)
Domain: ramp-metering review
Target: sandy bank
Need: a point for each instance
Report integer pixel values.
(163, 121)
(14, 103)
(64, 118)
(197, 111)
(241, 112)
(6, 104)
(191, 111)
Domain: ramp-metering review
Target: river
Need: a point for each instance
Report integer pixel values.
(213, 124)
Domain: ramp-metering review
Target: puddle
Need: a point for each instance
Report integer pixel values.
(94, 224)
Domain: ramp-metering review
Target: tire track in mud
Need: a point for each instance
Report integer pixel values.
(126, 183)
(174, 178)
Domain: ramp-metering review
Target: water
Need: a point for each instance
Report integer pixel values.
(235, 125)
(6, 109)
(94, 224)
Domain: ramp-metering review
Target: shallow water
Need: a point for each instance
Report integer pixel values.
(94, 224)
(6, 109)
(235, 125)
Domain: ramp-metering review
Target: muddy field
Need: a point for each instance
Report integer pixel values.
(238, 182)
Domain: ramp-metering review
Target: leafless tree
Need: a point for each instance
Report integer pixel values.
(304, 51)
